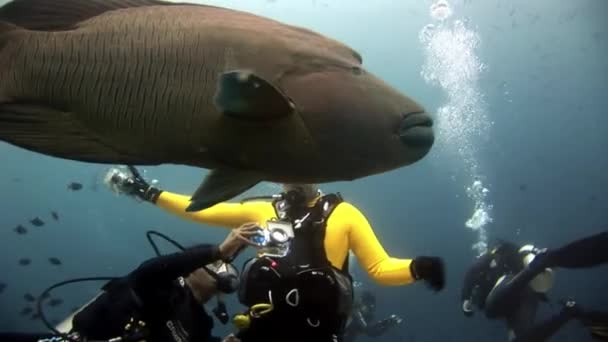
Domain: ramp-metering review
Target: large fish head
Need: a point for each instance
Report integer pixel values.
(358, 124)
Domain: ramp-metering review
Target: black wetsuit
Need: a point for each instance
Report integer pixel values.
(513, 299)
(311, 299)
(154, 293)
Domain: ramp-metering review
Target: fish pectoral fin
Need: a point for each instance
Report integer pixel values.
(46, 130)
(244, 95)
(57, 15)
(221, 185)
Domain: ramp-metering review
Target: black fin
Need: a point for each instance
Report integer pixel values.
(56, 15)
(59, 134)
(221, 185)
(244, 95)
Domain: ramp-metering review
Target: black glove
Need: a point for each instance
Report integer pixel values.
(137, 186)
(429, 269)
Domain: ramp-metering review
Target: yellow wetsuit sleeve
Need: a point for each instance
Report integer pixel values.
(227, 215)
(347, 228)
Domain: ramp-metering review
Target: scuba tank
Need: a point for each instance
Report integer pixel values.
(543, 282)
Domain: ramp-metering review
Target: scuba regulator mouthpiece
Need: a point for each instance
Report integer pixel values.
(226, 276)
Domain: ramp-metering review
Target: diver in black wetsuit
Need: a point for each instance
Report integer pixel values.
(161, 300)
(362, 319)
(509, 282)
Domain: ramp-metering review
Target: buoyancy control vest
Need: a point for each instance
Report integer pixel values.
(310, 298)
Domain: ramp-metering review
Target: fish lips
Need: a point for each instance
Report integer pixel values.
(416, 130)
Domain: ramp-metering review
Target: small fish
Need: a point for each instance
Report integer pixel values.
(20, 230)
(17, 180)
(45, 295)
(55, 302)
(26, 311)
(593, 198)
(523, 187)
(55, 215)
(2, 287)
(29, 297)
(24, 261)
(37, 222)
(35, 316)
(74, 186)
(55, 261)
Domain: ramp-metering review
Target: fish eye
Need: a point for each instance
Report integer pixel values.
(356, 70)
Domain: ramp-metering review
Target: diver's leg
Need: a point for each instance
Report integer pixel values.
(596, 322)
(521, 319)
(544, 330)
(508, 294)
(587, 252)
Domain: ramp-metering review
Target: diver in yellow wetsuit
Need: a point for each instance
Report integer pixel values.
(343, 228)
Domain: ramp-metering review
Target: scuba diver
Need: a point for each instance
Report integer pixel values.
(162, 300)
(508, 282)
(361, 320)
(298, 286)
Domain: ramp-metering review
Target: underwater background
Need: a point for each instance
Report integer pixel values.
(519, 92)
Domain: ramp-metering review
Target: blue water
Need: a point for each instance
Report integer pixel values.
(542, 156)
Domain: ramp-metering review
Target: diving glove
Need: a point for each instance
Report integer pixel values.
(429, 269)
(142, 189)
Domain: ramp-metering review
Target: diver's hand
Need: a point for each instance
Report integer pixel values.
(429, 269)
(231, 338)
(237, 240)
(141, 188)
(132, 183)
(395, 319)
(467, 308)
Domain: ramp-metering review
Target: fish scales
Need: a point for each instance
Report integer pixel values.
(120, 108)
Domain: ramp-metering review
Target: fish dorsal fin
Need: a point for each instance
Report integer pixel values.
(60, 15)
(242, 94)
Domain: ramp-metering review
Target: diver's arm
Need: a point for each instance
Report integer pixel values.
(228, 215)
(348, 220)
(471, 278)
(380, 327)
(169, 267)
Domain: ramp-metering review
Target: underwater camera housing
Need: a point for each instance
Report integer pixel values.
(118, 179)
(275, 240)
